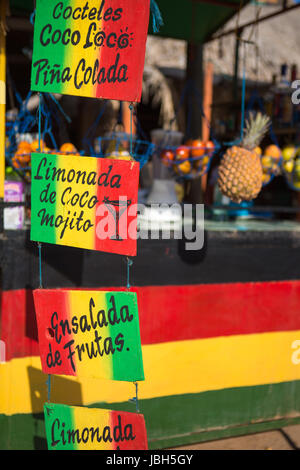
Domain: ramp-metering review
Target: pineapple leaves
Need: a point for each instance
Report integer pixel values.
(256, 127)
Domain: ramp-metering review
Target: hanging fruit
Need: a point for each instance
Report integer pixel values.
(198, 148)
(167, 157)
(182, 154)
(68, 149)
(209, 148)
(37, 146)
(240, 175)
(274, 152)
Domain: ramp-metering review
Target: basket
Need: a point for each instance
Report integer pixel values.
(121, 144)
(188, 162)
(291, 170)
(271, 168)
(20, 160)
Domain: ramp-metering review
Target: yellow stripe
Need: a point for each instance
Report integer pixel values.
(89, 368)
(74, 237)
(86, 418)
(74, 54)
(170, 369)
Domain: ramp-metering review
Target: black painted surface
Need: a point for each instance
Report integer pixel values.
(226, 257)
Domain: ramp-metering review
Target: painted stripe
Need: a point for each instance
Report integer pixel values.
(227, 257)
(176, 313)
(182, 419)
(170, 369)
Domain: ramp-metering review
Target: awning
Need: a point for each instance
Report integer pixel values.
(191, 20)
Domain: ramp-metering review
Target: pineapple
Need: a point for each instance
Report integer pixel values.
(240, 172)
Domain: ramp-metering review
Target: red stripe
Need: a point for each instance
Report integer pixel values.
(176, 313)
(133, 434)
(128, 219)
(47, 346)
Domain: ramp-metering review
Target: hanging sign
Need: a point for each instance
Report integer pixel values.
(78, 428)
(85, 202)
(94, 49)
(89, 334)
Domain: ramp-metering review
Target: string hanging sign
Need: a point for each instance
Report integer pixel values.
(93, 49)
(78, 428)
(89, 334)
(85, 202)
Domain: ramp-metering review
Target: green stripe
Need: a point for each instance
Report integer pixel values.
(38, 191)
(55, 53)
(184, 419)
(125, 364)
(64, 420)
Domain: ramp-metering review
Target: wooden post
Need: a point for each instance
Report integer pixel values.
(2, 93)
(236, 74)
(207, 104)
(207, 100)
(126, 118)
(194, 78)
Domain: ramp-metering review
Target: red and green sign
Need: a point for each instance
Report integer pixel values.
(78, 428)
(89, 334)
(85, 202)
(92, 48)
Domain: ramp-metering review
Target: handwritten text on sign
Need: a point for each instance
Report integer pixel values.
(92, 48)
(78, 428)
(89, 334)
(85, 202)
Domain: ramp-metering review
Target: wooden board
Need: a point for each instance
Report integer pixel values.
(94, 49)
(89, 333)
(78, 428)
(85, 202)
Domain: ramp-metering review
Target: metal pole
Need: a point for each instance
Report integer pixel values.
(251, 23)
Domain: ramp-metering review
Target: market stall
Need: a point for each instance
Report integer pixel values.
(219, 325)
(219, 333)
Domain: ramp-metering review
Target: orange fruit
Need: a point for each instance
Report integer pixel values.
(202, 163)
(184, 167)
(22, 157)
(258, 150)
(209, 147)
(273, 151)
(266, 178)
(182, 152)
(167, 156)
(35, 145)
(198, 148)
(25, 146)
(68, 148)
(15, 162)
